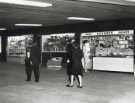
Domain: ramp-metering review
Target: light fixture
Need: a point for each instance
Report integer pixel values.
(27, 3)
(94, 0)
(3, 29)
(28, 25)
(85, 0)
(81, 18)
(130, 0)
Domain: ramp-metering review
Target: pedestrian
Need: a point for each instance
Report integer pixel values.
(86, 60)
(69, 59)
(76, 70)
(35, 56)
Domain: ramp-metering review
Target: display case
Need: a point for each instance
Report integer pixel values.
(54, 48)
(17, 44)
(55, 42)
(111, 43)
(16, 47)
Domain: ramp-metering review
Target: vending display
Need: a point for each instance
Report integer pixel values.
(17, 45)
(55, 42)
(110, 43)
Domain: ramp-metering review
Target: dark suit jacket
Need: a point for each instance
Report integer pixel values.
(35, 55)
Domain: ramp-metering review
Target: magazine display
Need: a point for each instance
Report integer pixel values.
(111, 43)
(55, 42)
(17, 45)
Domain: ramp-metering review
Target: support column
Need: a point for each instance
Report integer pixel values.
(134, 52)
(4, 46)
(37, 38)
(77, 37)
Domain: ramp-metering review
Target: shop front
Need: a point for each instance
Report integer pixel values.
(113, 50)
(16, 47)
(54, 49)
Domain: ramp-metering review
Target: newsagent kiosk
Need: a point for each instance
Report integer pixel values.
(113, 50)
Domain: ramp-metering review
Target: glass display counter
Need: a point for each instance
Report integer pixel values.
(120, 64)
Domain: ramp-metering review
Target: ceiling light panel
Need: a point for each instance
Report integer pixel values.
(26, 3)
(81, 18)
(3, 29)
(130, 0)
(28, 25)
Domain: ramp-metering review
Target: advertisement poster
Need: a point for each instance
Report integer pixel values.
(55, 42)
(17, 45)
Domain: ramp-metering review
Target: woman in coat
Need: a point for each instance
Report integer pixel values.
(76, 70)
(69, 59)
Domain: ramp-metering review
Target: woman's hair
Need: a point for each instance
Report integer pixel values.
(101, 45)
(85, 41)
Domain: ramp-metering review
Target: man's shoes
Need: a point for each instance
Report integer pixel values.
(36, 80)
(68, 85)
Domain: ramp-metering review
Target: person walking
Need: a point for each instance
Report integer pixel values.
(76, 70)
(69, 59)
(35, 56)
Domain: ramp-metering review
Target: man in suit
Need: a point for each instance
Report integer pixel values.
(35, 56)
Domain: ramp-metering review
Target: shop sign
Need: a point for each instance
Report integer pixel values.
(120, 32)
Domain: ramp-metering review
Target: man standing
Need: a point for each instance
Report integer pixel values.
(35, 56)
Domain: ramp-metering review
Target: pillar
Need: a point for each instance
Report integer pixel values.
(4, 46)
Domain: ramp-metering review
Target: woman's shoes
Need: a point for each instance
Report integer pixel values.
(68, 85)
(78, 86)
(28, 80)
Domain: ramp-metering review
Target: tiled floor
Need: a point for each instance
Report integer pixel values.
(99, 87)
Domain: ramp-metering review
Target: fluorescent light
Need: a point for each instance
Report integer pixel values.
(28, 24)
(130, 0)
(3, 29)
(94, 0)
(27, 3)
(86, 0)
(80, 18)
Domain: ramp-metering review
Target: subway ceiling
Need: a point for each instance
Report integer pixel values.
(101, 10)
